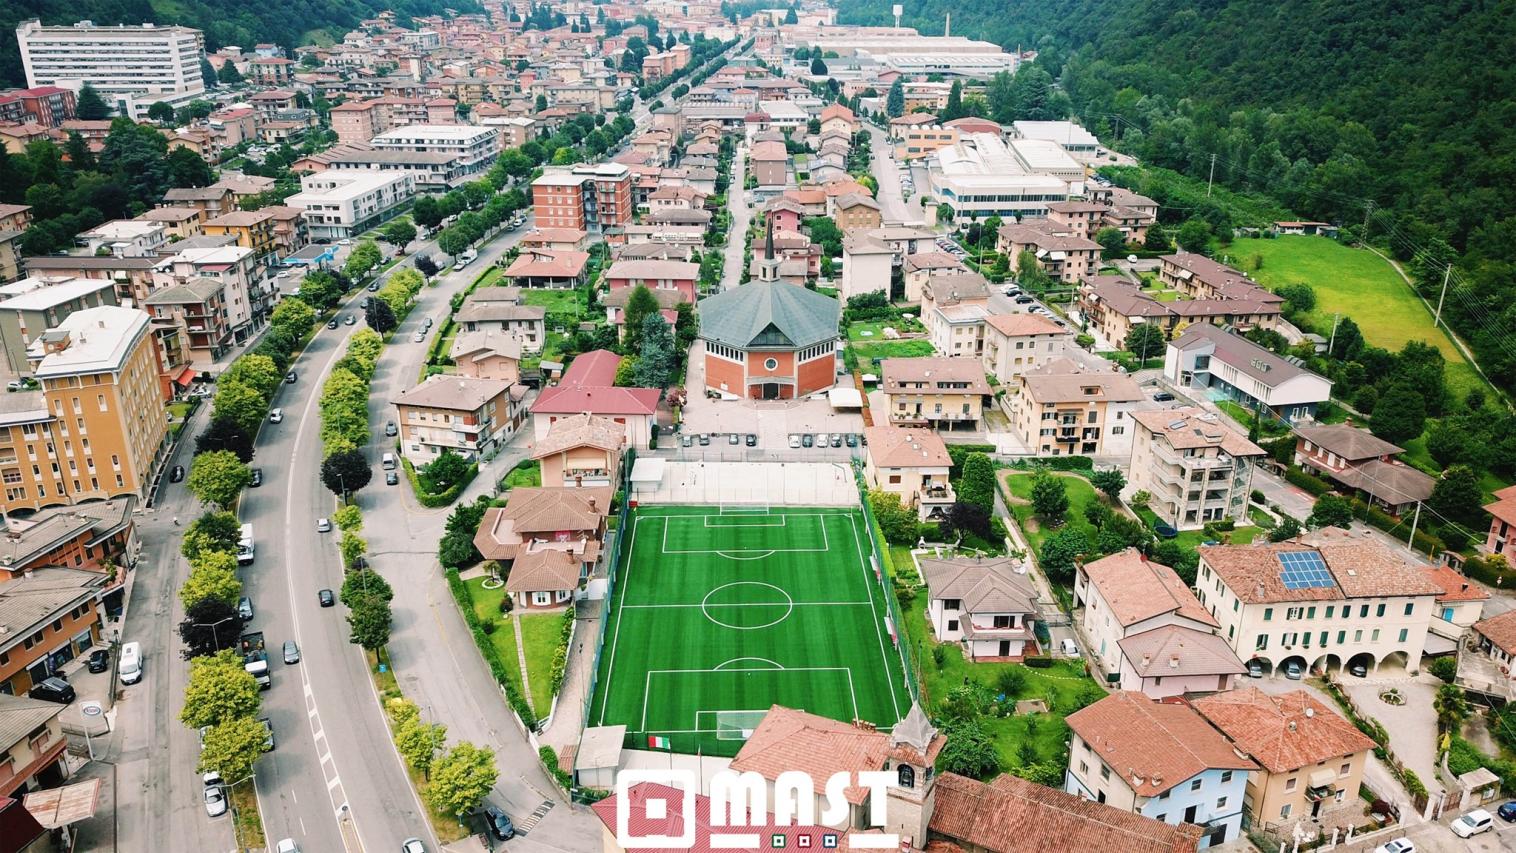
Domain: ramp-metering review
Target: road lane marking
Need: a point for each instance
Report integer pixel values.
(333, 783)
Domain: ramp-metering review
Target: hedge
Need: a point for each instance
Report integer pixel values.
(1493, 572)
(1311, 483)
(549, 758)
(1375, 517)
(427, 499)
(560, 657)
(465, 601)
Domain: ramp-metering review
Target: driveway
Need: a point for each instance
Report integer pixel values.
(1412, 726)
(773, 421)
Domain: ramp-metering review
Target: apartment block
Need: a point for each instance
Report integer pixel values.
(474, 148)
(467, 416)
(97, 427)
(134, 66)
(34, 304)
(338, 204)
(1197, 469)
(1060, 409)
(49, 618)
(939, 392)
(587, 198)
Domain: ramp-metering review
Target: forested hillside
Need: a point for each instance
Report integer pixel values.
(1326, 106)
(239, 22)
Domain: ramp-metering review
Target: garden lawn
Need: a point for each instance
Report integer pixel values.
(489, 277)
(528, 473)
(862, 355)
(539, 634)
(487, 607)
(855, 331)
(1358, 284)
(565, 305)
(1079, 490)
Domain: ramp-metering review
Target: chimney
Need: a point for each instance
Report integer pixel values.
(592, 505)
(1174, 662)
(1146, 659)
(1309, 713)
(1291, 726)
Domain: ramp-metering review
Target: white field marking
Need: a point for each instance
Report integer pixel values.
(758, 556)
(610, 668)
(646, 692)
(698, 714)
(825, 542)
(789, 606)
(775, 664)
(878, 625)
(647, 688)
(748, 604)
(781, 516)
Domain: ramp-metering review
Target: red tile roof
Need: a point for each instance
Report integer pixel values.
(1284, 732)
(794, 740)
(1153, 745)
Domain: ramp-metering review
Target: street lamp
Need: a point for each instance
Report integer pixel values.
(215, 637)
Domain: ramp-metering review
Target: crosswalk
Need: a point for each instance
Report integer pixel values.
(535, 817)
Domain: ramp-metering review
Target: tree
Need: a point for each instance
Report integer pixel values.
(894, 102)
(1331, 511)
(1144, 340)
(215, 581)
(790, 17)
(228, 75)
(213, 531)
(369, 618)
(209, 626)
(1059, 552)
(1050, 498)
(426, 266)
(461, 778)
(1399, 415)
(447, 470)
(969, 751)
(188, 169)
(954, 108)
(1288, 528)
(218, 478)
(977, 484)
(818, 67)
(232, 746)
(399, 234)
(1298, 297)
(89, 106)
(365, 583)
(456, 549)
(427, 212)
(219, 689)
(80, 157)
(1452, 707)
(345, 471)
(640, 303)
(1194, 235)
(380, 316)
(658, 359)
(1457, 497)
(257, 372)
(239, 404)
(1110, 481)
(161, 111)
(225, 434)
(453, 242)
(294, 314)
(896, 520)
(965, 518)
(419, 743)
(1111, 240)
(364, 257)
(208, 73)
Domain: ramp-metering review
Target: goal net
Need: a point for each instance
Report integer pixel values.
(730, 507)
(737, 725)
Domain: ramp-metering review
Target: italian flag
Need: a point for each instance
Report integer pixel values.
(656, 742)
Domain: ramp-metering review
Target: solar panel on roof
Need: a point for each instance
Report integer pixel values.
(1304, 570)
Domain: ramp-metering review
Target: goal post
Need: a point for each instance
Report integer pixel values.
(758, 507)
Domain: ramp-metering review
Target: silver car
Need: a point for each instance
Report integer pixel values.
(291, 652)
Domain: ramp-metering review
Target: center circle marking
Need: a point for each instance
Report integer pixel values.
(789, 605)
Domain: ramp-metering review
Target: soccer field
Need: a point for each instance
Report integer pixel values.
(717, 616)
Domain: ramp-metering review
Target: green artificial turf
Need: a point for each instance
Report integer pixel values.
(740, 611)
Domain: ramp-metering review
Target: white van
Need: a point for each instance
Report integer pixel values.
(245, 548)
(389, 462)
(129, 665)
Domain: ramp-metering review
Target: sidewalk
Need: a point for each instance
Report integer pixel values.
(567, 724)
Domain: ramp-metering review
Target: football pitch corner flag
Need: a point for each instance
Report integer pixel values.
(656, 742)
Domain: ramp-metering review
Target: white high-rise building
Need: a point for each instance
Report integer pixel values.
(130, 66)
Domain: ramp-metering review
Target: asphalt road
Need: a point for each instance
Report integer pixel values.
(894, 207)
(742, 214)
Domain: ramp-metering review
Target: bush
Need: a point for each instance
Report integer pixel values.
(1038, 661)
(487, 626)
(1445, 668)
(1313, 484)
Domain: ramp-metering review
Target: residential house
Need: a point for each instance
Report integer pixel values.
(1159, 760)
(177, 222)
(615, 306)
(10, 255)
(1077, 218)
(38, 304)
(654, 275)
(550, 538)
(212, 201)
(770, 164)
(488, 354)
(32, 747)
(924, 265)
(1197, 469)
(588, 386)
(1146, 630)
(499, 309)
(97, 536)
(867, 265)
(1198, 277)
(954, 308)
(785, 212)
(470, 417)
(124, 238)
(1457, 608)
(254, 229)
(1502, 521)
(1490, 667)
(1062, 409)
(1016, 343)
(912, 463)
(837, 117)
(986, 604)
(1310, 758)
(554, 239)
(1205, 356)
(1114, 306)
(548, 268)
(938, 391)
(1063, 255)
(858, 212)
(1359, 460)
(247, 296)
(581, 451)
(196, 309)
(1324, 601)
(50, 616)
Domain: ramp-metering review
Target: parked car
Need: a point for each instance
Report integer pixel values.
(412, 845)
(291, 652)
(390, 429)
(391, 478)
(53, 689)
(257, 477)
(752, 440)
(268, 734)
(1358, 669)
(323, 525)
(276, 416)
(705, 440)
(1024, 300)
(99, 660)
(1163, 397)
(821, 439)
(686, 440)
(807, 440)
(852, 439)
(373, 287)
(1473, 823)
(332, 323)
(1255, 669)
(794, 441)
(499, 823)
(326, 598)
(1068, 647)
(350, 320)
(288, 845)
(734, 439)
(1293, 671)
(177, 474)
(214, 795)
(1399, 845)
(291, 378)
(1507, 811)
(345, 242)
(419, 337)
(836, 439)
(245, 608)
